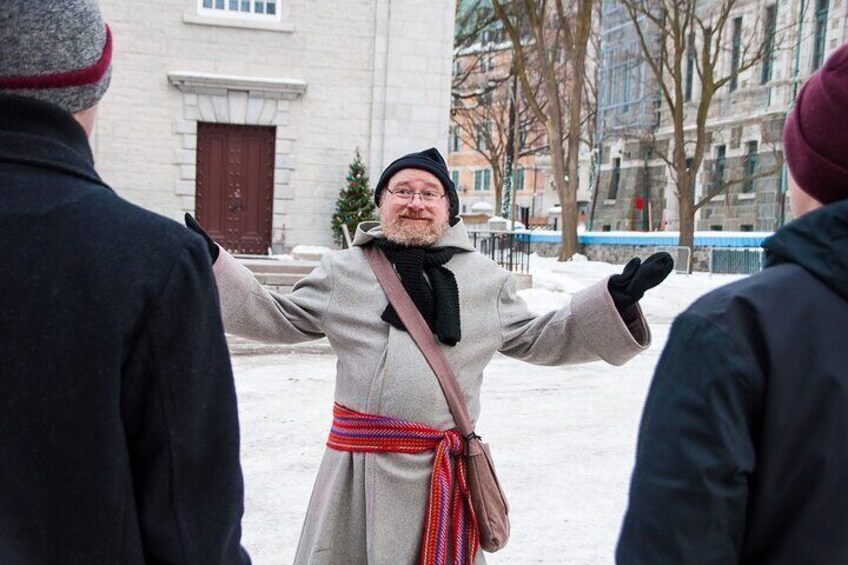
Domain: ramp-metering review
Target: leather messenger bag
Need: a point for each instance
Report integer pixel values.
(487, 497)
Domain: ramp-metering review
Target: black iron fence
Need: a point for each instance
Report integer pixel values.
(509, 250)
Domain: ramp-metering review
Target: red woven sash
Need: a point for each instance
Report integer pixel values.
(450, 523)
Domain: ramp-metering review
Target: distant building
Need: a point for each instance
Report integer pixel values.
(248, 113)
(635, 190)
(469, 139)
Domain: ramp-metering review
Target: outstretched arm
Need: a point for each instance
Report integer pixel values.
(603, 321)
(252, 311)
(587, 329)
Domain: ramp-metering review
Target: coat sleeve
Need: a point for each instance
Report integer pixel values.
(252, 311)
(588, 329)
(181, 423)
(695, 454)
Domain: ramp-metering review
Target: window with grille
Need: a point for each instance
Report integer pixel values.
(487, 62)
(484, 134)
(455, 139)
(614, 179)
(718, 173)
(249, 8)
(268, 15)
(820, 33)
(769, 28)
(751, 162)
(735, 53)
(482, 180)
(690, 68)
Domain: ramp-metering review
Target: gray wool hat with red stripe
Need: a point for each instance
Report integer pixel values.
(58, 52)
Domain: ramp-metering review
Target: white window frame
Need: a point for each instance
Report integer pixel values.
(487, 62)
(455, 141)
(195, 13)
(483, 180)
(519, 179)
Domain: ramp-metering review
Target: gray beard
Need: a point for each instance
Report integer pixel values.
(403, 233)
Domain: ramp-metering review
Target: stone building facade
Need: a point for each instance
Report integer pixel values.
(635, 189)
(250, 111)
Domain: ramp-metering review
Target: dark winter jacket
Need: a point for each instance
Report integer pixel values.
(119, 436)
(743, 447)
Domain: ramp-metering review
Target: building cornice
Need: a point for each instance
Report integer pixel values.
(192, 82)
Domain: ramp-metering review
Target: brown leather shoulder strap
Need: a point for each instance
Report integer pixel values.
(421, 334)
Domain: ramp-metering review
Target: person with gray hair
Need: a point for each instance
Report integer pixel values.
(119, 437)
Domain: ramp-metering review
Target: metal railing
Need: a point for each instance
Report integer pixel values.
(509, 250)
(736, 260)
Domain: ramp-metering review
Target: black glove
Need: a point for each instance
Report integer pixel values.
(195, 227)
(628, 288)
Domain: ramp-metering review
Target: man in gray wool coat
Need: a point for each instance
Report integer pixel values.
(371, 507)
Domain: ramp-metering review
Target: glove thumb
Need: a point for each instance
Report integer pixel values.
(652, 272)
(194, 226)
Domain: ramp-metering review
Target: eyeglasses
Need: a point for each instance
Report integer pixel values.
(426, 195)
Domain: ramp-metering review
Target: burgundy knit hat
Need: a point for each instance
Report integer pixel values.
(815, 138)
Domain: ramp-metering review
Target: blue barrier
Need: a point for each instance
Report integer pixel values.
(702, 239)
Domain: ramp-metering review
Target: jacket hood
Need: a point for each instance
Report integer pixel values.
(455, 236)
(818, 242)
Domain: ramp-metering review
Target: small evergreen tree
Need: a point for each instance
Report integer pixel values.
(355, 203)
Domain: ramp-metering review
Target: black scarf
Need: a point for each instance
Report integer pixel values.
(438, 301)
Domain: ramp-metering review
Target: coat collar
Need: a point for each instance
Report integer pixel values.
(818, 242)
(41, 134)
(455, 236)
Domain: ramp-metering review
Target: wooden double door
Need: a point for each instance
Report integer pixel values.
(235, 185)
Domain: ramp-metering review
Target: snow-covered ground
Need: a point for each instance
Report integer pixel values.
(563, 437)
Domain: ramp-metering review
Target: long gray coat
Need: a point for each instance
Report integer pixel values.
(369, 508)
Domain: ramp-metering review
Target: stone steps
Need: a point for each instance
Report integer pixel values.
(241, 346)
(278, 275)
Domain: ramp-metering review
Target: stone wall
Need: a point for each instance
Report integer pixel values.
(620, 254)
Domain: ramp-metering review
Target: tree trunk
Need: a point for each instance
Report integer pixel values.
(504, 206)
(567, 200)
(497, 183)
(686, 204)
(578, 78)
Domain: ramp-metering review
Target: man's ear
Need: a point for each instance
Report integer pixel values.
(86, 119)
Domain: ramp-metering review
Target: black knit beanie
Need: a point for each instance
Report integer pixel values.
(432, 162)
